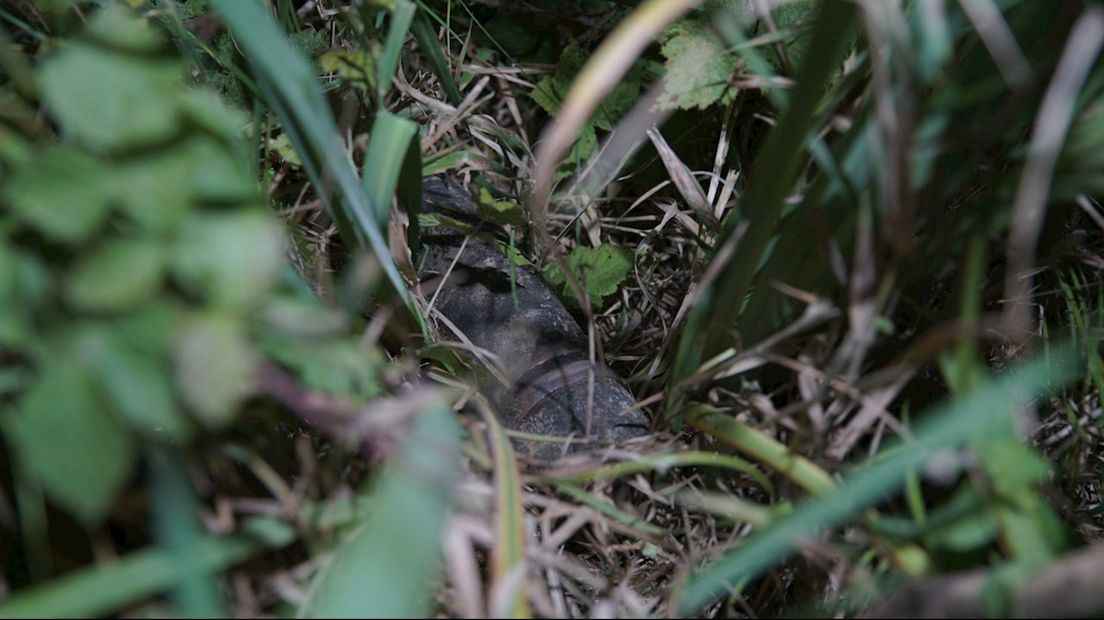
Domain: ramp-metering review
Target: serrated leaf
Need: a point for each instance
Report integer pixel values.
(116, 276)
(111, 100)
(79, 453)
(599, 270)
(229, 258)
(215, 366)
(698, 67)
(69, 211)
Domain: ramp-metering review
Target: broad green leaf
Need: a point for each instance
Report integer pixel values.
(111, 100)
(354, 67)
(79, 453)
(698, 67)
(229, 257)
(340, 367)
(599, 270)
(215, 366)
(68, 211)
(204, 108)
(387, 567)
(499, 211)
(115, 26)
(118, 275)
(135, 385)
(282, 146)
(155, 190)
(218, 175)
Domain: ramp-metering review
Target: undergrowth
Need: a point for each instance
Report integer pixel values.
(845, 254)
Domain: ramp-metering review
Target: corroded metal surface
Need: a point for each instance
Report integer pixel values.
(545, 384)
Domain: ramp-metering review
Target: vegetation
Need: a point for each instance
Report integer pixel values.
(847, 256)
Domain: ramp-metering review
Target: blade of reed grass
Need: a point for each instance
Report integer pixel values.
(388, 61)
(508, 555)
(384, 173)
(104, 588)
(290, 88)
(959, 421)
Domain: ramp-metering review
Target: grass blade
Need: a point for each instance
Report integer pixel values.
(100, 590)
(384, 173)
(289, 85)
(388, 61)
(386, 568)
(508, 556)
(971, 417)
(431, 48)
(772, 177)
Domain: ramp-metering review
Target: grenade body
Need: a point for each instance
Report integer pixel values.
(544, 383)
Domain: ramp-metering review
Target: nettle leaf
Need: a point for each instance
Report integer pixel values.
(205, 109)
(135, 384)
(599, 270)
(229, 258)
(112, 100)
(334, 366)
(77, 451)
(117, 27)
(217, 175)
(155, 190)
(499, 211)
(215, 366)
(698, 67)
(118, 275)
(356, 67)
(66, 211)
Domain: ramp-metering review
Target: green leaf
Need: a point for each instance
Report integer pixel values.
(385, 172)
(155, 190)
(69, 211)
(116, 276)
(77, 451)
(387, 567)
(134, 384)
(388, 60)
(218, 175)
(354, 67)
(283, 147)
(599, 270)
(205, 109)
(115, 26)
(111, 100)
(289, 85)
(229, 257)
(215, 366)
(698, 67)
(499, 211)
(334, 366)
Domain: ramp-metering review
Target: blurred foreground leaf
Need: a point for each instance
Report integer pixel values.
(386, 567)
